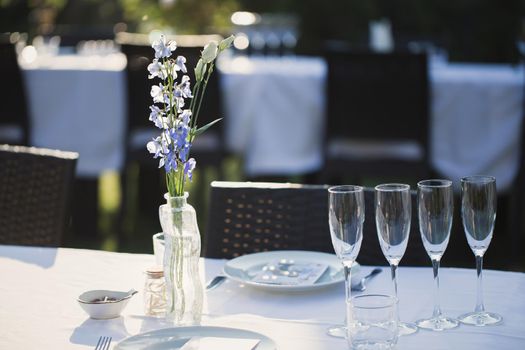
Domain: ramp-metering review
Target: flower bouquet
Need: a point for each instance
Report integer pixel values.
(177, 120)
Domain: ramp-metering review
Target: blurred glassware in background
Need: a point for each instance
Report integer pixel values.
(46, 46)
(264, 34)
(380, 36)
(436, 55)
(96, 47)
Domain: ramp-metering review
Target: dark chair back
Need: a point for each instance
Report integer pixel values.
(254, 217)
(377, 117)
(14, 120)
(35, 190)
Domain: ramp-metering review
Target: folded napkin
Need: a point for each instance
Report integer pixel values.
(216, 343)
(290, 273)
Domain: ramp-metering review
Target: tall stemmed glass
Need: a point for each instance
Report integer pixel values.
(478, 210)
(346, 214)
(435, 200)
(393, 205)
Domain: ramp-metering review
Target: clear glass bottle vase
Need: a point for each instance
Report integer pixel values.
(184, 291)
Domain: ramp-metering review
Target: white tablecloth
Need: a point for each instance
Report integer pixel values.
(274, 115)
(39, 287)
(77, 103)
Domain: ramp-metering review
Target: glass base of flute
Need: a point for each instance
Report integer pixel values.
(482, 318)
(338, 331)
(440, 323)
(407, 328)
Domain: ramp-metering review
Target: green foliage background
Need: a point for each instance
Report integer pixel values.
(471, 30)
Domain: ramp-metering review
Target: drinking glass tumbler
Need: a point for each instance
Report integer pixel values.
(372, 322)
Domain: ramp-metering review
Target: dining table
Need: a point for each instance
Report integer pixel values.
(275, 110)
(77, 102)
(40, 286)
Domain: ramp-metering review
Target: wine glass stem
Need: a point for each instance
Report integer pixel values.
(347, 266)
(393, 270)
(437, 307)
(479, 270)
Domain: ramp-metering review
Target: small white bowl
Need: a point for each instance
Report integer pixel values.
(104, 304)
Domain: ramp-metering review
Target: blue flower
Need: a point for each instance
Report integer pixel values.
(185, 117)
(156, 116)
(162, 48)
(189, 166)
(185, 87)
(180, 64)
(184, 152)
(170, 162)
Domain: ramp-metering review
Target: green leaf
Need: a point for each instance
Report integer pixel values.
(205, 127)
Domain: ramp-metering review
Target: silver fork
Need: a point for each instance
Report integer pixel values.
(103, 343)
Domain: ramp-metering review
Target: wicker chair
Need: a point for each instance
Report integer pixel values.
(253, 217)
(35, 188)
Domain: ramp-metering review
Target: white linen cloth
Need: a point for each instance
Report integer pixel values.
(274, 113)
(77, 103)
(477, 111)
(275, 108)
(40, 286)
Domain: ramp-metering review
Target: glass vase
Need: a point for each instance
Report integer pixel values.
(184, 291)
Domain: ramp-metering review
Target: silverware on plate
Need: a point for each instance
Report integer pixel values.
(361, 286)
(215, 282)
(103, 343)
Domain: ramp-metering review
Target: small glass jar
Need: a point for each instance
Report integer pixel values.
(155, 292)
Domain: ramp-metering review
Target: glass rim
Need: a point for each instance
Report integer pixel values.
(439, 183)
(392, 187)
(345, 189)
(390, 301)
(478, 179)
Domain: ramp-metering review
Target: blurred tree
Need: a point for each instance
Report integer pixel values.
(30, 16)
(181, 16)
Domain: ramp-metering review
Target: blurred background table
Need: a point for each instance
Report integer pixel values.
(274, 110)
(76, 103)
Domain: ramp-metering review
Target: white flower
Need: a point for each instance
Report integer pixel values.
(155, 147)
(163, 48)
(157, 92)
(210, 52)
(156, 70)
(200, 69)
(226, 43)
(180, 64)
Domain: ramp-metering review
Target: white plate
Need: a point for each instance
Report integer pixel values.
(175, 338)
(244, 268)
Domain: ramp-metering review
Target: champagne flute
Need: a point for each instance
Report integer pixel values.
(435, 200)
(346, 214)
(393, 205)
(478, 210)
